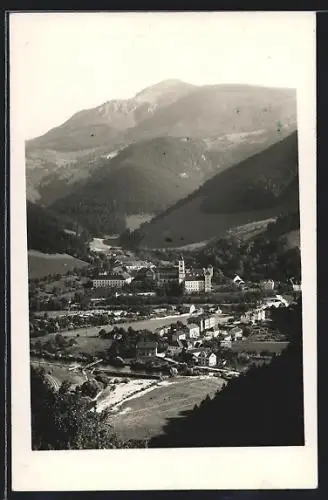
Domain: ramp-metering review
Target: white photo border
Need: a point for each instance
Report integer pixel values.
(164, 469)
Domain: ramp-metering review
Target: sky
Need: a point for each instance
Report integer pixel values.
(62, 63)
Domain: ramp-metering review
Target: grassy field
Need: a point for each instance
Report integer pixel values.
(84, 344)
(204, 226)
(248, 346)
(60, 373)
(250, 230)
(65, 287)
(42, 264)
(146, 415)
(134, 221)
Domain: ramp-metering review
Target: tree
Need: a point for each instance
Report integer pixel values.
(90, 388)
(63, 420)
(103, 334)
(60, 340)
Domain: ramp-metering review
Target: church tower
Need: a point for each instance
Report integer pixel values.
(208, 275)
(182, 270)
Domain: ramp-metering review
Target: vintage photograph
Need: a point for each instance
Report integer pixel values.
(163, 230)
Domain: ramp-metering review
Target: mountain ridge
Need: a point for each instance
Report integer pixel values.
(231, 121)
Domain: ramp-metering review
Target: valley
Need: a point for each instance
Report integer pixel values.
(164, 262)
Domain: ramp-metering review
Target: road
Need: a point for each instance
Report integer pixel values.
(54, 382)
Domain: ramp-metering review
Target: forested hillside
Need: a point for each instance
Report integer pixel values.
(260, 187)
(264, 256)
(234, 121)
(49, 233)
(146, 177)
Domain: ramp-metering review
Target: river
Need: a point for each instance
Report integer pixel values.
(148, 324)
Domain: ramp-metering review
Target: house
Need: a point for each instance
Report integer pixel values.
(267, 285)
(226, 342)
(297, 286)
(207, 359)
(187, 344)
(216, 310)
(193, 331)
(236, 333)
(131, 264)
(175, 348)
(277, 301)
(166, 275)
(211, 333)
(195, 353)
(178, 335)
(187, 309)
(117, 269)
(146, 348)
(204, 321)
(209, 321)
(162, 330)
(111, 281)
(254, 315)
(238, 281)
(145, 275)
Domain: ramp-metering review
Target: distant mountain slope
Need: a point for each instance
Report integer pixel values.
(146, 177)
(104, 124)
(234, 120)
(48, 233)
(258, 188)
(214, 110)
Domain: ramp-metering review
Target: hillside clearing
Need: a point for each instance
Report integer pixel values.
(42, 264)
(171, 230)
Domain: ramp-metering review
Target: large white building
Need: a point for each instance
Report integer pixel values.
(193, 331)
(195, 280)
(111, 281)
(192, 280)
(204, 321)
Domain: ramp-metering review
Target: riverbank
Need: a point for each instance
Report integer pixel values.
(113, 398)
(146, 414)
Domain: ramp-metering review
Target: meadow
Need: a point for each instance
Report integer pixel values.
(42, 264)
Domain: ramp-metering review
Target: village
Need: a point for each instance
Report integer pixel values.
(127, 328)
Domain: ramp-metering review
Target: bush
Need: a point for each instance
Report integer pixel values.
(90, 388)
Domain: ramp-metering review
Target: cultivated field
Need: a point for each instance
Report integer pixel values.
(145, 416)
(42, 264)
